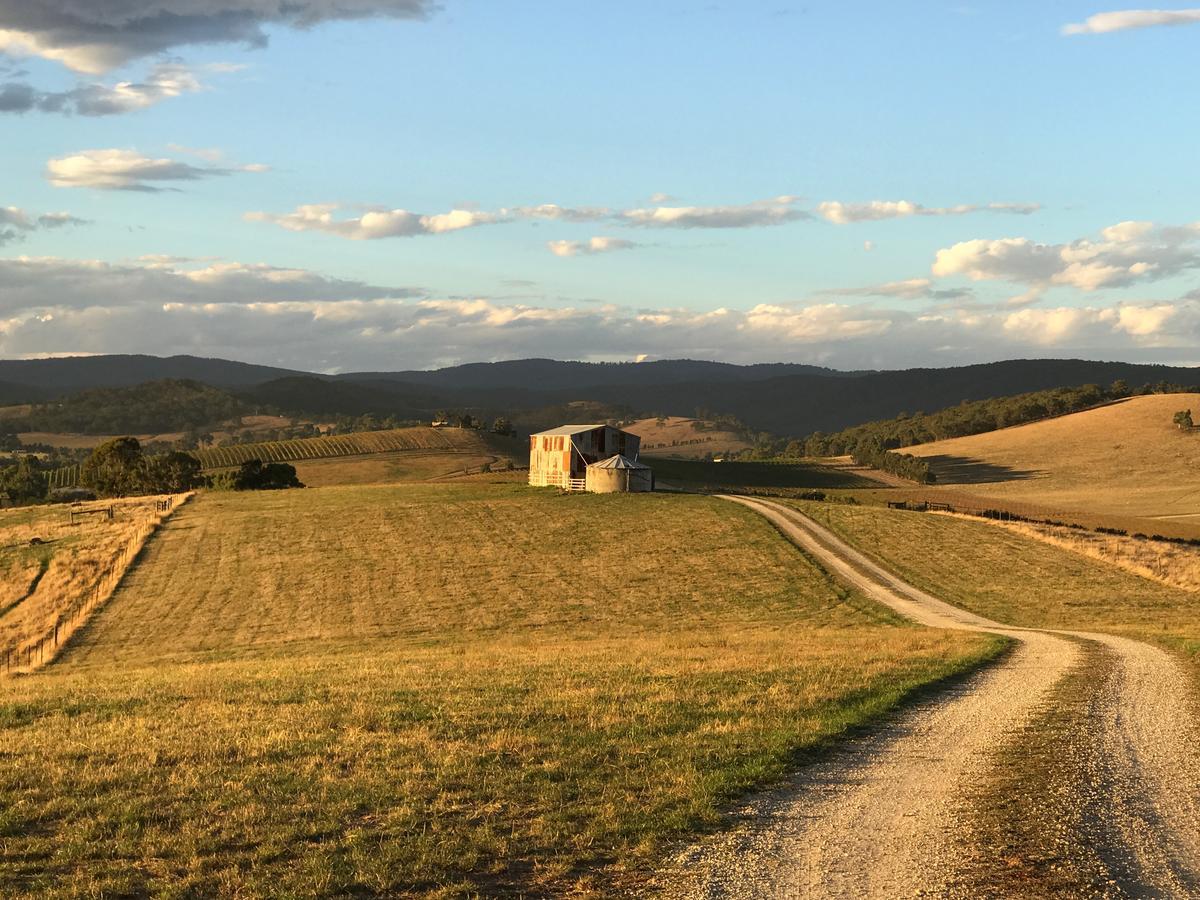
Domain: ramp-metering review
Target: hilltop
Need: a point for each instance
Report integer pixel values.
(785, 399)
(1125, 458)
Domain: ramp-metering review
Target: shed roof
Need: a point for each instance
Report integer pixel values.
(618, 462)
(568, 429)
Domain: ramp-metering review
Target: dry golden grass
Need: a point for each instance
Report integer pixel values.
(73, 441)
(434, 691)
(418, 562)
(1177, 565)
(1017, 578)
(40, 582)
(386, 468)
(1125, 459)
(679, 436)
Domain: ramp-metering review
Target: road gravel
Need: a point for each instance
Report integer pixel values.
(884, 816)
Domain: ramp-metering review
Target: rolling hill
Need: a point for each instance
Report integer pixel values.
(790, 400)
(1125, 458)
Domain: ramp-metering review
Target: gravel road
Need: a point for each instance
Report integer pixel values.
(880, 817)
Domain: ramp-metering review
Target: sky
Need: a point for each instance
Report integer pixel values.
(341, 185)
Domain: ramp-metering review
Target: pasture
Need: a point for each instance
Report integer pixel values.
(683, 437)
(1123, 459)
(775, 477)
(434, 690)
(56, 562)
(1020, 578)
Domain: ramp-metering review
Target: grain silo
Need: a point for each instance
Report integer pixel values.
(619, 474)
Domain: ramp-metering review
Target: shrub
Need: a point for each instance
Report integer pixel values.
(253, 475)
(24, 482)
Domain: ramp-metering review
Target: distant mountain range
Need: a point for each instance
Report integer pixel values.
(783, 398)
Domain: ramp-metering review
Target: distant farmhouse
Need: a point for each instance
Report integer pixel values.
(597, 458)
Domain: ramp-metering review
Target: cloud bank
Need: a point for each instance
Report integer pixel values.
(17, 224)
(298, 318)
(98, 35)
(164, 82)
(1125, 254)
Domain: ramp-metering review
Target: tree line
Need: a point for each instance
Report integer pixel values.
(122, 468)
(973, 417)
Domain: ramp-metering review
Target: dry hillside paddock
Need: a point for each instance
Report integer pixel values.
(435, 690)
(1124, 458)
(684, 437)
(1018, 578)
(392, 468)
(57, 563)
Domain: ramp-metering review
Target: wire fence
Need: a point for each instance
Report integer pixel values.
(40, 649)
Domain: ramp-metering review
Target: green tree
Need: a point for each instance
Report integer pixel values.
(502, 426)
(172, 473)
(254, 475)
(115, 468)
(24, 482)
(1183, 419)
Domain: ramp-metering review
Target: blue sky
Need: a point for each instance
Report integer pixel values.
(847, 184)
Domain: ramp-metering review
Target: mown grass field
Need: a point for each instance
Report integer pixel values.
(1017, 578)
(684, 437)
(1124, 459)
(781, 476)
(434, 690)
(49, 558)
(398, 467)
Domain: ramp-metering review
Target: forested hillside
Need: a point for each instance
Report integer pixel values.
(975, 417)
(153, 407)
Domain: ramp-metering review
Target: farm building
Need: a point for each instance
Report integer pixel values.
(619, 474)
(562, 457)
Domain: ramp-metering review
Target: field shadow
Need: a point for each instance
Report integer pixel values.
(736, 474)
(966, 470)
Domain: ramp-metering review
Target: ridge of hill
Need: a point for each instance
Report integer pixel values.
(1125, 458)
(44, 379)
(801, 400)
(533, 374)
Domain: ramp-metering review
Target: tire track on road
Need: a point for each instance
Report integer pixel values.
(880, 818)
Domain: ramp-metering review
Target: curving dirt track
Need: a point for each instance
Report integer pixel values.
(880, 818)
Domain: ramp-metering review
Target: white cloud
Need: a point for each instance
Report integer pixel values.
(554, 212)
(127, 170)
(98, 35)
(164, 82)
(589, 247)
(1127, 253)
(820, 322)
(1126, 19)
(776, 211)
(875, 210)
(301, 319)
(16, 224)
(908, 289)
(30, 283)
(374, 224)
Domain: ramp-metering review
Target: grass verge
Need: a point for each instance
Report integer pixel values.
(435, 691)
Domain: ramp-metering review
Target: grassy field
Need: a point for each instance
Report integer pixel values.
(1017, 578)
(679, 436)
(49, 559)
(1125, 459)
(399, 467)
(698, 474)
(434, 690)
(332, 446)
